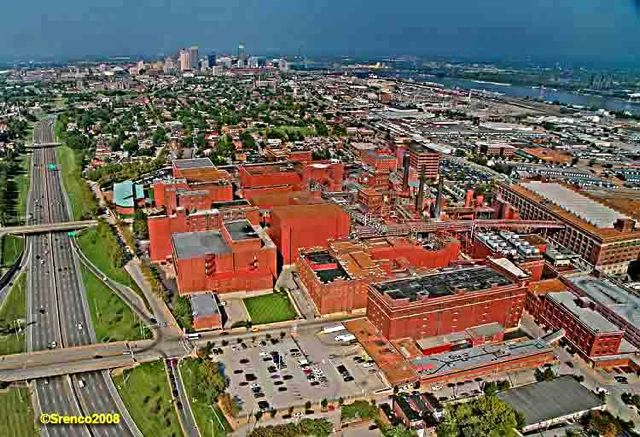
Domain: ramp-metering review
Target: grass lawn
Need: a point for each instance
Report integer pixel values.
(13, 308)
(12, 247)
(269, 308)
(146, 394)
(210, 423)
(16, 414)
(22, 182)
(112, 319)
(83, 204)
(90, 241)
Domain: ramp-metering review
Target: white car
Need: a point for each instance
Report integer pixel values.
(264, 354)
(80, 327)
(254, 385)
(436, 387)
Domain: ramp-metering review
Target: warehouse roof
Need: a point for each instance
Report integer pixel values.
(204, 304)
(581, 206)
(241, 230)
(196, 244)
(544, 401)
(591, 319)
(193, 163)
(443, 283)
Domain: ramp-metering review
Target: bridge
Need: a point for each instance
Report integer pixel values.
(42, 145)
(47, 227)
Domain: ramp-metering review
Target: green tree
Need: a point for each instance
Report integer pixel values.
(140, 225)
(484, 416)
(398, 431)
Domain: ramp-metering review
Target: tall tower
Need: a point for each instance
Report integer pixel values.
(193, 57)
(185, 61)
(242, 55)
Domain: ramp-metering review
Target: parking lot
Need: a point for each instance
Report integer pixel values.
(280, 372)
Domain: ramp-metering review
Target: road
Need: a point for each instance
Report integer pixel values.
(187, 421)
(57, 310)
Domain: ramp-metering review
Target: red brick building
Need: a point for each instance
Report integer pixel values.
(587, 330)
(205, 311)
(238, 257)
(298, 226)
(448, 301)
(161, 227)
(262, 178)
(425, 160)
(337, 279)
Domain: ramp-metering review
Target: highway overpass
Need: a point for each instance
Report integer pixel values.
(47, 227)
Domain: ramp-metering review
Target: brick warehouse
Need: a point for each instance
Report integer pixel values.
(238, 257)
(602, 236)
(297, 226)
(337, 279)
(161, 227)
(448, 301)
(587, 330)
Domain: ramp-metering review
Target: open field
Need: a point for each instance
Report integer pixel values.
(112, 319)
(210, 420)
(16, 413)
(83, 204)
(145, 392)
(13, 309)
(12, 247)
(269, 308)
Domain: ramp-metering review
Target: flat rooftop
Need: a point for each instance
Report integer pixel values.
(204, 304)
(196, 244)
(476, 357)
(277, 167)
(444, 283)
(231, 203)
(241, 230)
(604, 292)
(193, 163)
(581, 206)
(591, 319)
(547, 400)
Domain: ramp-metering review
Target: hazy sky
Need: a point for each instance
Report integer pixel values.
(607, 31)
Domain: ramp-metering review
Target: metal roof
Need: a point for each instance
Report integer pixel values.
(241, 230)
(548, 400)
(126, 193)
(204, 304)
(591, 319)
(193, 163)
(581, 206)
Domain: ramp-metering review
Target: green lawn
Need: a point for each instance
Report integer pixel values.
(210, 423)
(83, 204)
(146, 394)
(16, 413)
(12, 247)
(269, 308)
(13, 309)
(22, 182)
(112, 319)
(93, 246)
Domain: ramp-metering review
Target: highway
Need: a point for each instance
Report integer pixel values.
(57, 310)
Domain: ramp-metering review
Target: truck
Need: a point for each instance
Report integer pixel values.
(345, 338)
(334, 328)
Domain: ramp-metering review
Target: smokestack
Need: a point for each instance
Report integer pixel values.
(405, 171)
(420, 198)
(438, 208)
(468, 200)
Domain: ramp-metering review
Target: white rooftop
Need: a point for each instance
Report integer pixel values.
(581, 206)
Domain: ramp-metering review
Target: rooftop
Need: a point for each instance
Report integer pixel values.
(475, 357)
(547, 400)
(204, 304)
(126, 193)
(193, 163)
(591, 319)
(604, 292)
(196, 244)
(241, 230)
(443, 283)
(581, 206)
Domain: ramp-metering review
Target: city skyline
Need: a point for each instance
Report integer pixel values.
(550, 31)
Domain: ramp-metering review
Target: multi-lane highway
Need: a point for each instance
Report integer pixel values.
(58, 314)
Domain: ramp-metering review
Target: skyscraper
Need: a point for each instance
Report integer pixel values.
(212, 59)
(185, 61)
(193, 57)
(242, 55)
